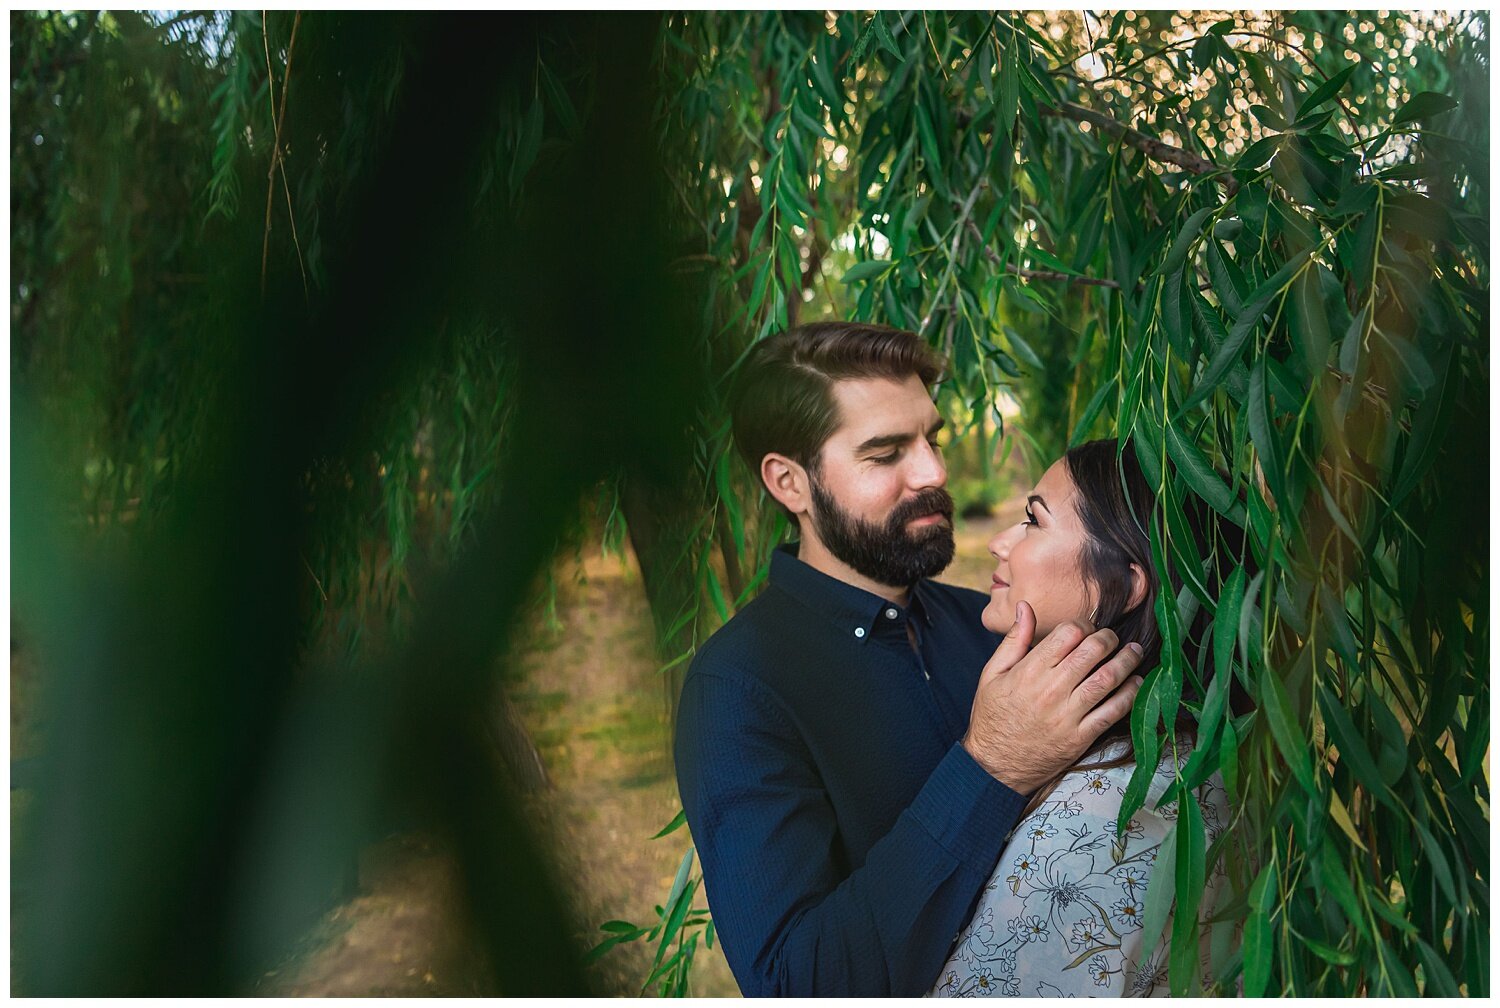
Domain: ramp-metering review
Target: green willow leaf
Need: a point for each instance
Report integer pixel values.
(1423, 105)
(1228, 280)
(1190, 872)
(1144, 717)
(1234, 344)
(1440, 979)
(678, 821)
(868, 270)
(1227, 622)
(1334, 877)
(1267, 445)
(1324, 91)
(1328, 953)
(1023, 350)
(1161, 892)
(1201, 477)
(1437, 860)
(1351, 745)
(1258, 937)
(1287, 731)
(1090, 414)
(1191, 228)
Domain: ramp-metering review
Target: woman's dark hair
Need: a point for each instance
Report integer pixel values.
(1116, 505)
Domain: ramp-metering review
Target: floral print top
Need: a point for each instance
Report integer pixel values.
(1062, 915)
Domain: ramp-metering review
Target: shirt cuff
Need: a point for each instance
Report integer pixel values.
(968, 812)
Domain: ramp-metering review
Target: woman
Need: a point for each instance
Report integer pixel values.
(1063, 914)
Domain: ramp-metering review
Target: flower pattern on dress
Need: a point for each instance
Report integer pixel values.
(1062, 916)
(1028, 929)
(1132, 877)
(1127, 912)
(1041, 831)
(1088, 932)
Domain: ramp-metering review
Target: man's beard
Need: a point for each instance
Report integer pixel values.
(887, 554)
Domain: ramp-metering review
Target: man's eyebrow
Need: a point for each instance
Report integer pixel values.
(881, 441)
(1034, 499)
(892, 440)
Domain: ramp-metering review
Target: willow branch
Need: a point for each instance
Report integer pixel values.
(1156, 150)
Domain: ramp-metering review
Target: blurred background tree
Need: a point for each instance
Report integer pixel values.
(323, 325)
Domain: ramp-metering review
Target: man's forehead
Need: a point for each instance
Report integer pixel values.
(882, 405)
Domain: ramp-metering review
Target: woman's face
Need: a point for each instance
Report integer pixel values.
(1039, 561)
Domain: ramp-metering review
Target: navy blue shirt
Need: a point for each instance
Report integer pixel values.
(843, 831)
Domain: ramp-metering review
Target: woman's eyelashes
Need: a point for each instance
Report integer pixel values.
(1030, 518)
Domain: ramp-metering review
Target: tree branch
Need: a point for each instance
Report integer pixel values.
(1153, 148)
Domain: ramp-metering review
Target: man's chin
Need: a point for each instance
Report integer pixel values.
(938, 552)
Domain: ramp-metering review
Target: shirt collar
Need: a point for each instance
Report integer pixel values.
(854, 611)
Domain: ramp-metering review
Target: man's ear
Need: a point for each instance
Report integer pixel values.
(786, 479)
(1138, 583)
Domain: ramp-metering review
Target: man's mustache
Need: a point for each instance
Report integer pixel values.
(933, 500)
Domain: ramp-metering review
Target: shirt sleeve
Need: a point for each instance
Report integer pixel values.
(1062, 915)
(793, 918)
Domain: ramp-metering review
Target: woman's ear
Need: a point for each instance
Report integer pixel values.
(786, 480)
(1138, 585)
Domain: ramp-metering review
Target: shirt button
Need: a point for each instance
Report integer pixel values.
(859, 631)
(891, 614)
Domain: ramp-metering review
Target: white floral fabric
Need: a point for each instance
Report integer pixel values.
(1062, 915)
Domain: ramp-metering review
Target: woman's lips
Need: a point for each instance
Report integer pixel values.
(998, 584)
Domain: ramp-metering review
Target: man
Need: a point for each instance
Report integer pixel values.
(848, 773)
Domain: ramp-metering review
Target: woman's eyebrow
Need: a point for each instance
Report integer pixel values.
(1034, 499)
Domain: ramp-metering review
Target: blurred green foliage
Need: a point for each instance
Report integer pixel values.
(232, 420)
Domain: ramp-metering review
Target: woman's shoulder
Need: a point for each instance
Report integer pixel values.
(1098, 785)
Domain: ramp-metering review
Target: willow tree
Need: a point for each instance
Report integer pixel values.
(1257, 245)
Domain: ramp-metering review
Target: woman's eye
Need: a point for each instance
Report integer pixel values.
(1030, 518)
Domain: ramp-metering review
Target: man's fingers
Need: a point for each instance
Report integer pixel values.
(1061, 642)
(1074, 668)
(1116, 707)
(1096, 686)
(1016, 643)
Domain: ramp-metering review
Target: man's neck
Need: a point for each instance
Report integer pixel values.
(815, 555)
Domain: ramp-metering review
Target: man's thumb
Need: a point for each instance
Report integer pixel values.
(1017, 642)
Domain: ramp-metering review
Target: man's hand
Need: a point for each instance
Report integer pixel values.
(1038, 709)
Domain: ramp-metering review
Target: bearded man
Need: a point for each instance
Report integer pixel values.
(852, 747)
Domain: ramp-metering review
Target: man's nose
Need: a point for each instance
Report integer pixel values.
(927, 468)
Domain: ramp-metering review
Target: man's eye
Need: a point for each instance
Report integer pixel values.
(884, 459)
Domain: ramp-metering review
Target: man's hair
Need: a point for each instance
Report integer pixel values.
(782, 399)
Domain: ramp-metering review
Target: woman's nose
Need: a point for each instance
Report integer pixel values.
(1007, 537)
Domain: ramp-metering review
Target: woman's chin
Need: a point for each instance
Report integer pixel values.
(998, 617)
